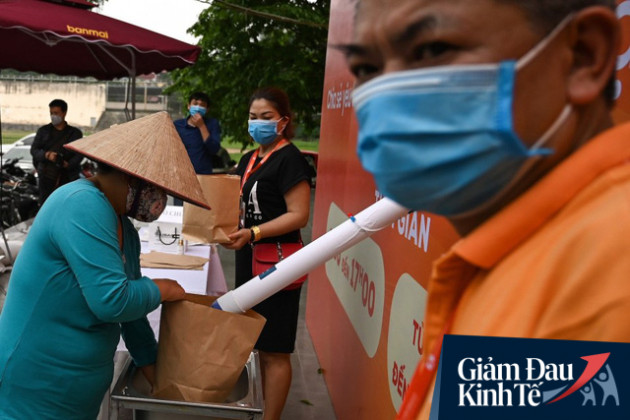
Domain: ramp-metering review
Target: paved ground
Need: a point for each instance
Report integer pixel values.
(308, 398)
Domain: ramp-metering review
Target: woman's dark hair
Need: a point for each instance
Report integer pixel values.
(280, 101)
(103, 168)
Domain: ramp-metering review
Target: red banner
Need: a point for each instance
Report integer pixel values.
(365, 308)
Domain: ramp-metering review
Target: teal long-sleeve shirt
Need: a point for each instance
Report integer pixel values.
(70, 294)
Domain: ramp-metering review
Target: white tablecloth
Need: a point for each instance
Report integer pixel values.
(209, 281)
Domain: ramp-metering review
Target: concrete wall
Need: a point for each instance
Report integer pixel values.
(25, 102)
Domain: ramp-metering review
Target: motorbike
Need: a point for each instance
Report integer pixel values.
(18, 194)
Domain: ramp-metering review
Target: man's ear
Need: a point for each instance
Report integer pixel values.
(595, 50)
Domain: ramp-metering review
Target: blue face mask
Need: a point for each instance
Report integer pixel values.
(197, 109)
(263, 131)
(442, 139)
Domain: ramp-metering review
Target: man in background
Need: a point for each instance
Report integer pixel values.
(200, 133)
(55, 165)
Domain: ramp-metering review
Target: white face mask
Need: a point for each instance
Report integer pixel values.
(56, 119)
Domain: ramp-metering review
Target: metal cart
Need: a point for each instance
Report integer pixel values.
(132, 391)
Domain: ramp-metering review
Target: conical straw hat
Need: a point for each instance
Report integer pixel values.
(148, 148)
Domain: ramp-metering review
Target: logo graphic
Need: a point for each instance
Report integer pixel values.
(89, 32)
(604, 379)
(487, 383)
(516, 378)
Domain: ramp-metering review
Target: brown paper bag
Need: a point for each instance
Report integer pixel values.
(201, 350)
(213, 226)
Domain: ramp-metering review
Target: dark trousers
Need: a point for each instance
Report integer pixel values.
(48, 184)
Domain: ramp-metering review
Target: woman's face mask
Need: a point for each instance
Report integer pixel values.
(263, 131)
(145, 202)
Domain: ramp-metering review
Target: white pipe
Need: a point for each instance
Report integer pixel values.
(374, 218)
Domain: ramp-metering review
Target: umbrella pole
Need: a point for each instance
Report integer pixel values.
(133, 97)
(132, 75)
(127, 90)
(130, 95)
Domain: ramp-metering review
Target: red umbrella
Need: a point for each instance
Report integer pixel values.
(51, 37)
(64, 37)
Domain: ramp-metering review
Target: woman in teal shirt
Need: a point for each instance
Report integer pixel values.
(75, 287)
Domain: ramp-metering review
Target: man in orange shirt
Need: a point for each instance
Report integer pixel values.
(496, 115)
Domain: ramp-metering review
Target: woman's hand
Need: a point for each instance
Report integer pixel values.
(170, 290)
(238, 239)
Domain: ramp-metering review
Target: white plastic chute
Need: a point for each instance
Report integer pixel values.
(374, 218)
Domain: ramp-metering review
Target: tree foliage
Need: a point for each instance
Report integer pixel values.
(242, 50)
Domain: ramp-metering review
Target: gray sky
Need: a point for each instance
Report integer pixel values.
(168, 17)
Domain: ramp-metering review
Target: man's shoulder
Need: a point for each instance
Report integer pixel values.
(44, 128)
(607, 197)
(597, 217)
(181, 122)
(75, 130)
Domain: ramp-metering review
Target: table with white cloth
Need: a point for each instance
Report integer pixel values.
(209, 281)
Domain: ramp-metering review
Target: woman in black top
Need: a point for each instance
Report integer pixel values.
(275, 201)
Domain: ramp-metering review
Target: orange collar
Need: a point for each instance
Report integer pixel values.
(498, 236)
